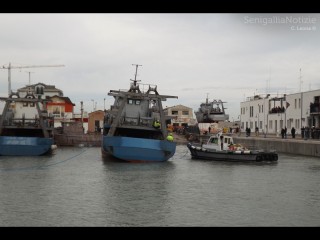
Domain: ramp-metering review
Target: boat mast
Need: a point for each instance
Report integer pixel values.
(135, 76)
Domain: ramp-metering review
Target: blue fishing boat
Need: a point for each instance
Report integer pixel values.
(135, 126)
(21, 134)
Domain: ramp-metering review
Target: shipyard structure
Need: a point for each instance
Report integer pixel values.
(270, 114)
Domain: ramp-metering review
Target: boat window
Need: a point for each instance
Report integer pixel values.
(130, 101)
(138, 102)
(214, 140)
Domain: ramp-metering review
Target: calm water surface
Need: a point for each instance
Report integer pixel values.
(76, 187)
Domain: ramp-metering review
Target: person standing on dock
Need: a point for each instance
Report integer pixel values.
(293, 132)
(257, 131)
(285, 132)
(282, 132)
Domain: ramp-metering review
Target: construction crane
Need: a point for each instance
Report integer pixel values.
(9, 67)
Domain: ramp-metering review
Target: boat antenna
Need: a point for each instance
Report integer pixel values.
(135, 76)
(134, 87)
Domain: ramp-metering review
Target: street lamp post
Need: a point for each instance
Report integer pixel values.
(104, 104)
(92, 105)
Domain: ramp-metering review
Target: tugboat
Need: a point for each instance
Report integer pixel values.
(222, 147)
(25, 129)
(210, 112)
(134, 127)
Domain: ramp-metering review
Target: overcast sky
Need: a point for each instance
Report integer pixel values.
(227, 56)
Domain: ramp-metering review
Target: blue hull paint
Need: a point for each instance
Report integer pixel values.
(139, 149)
(24, 146)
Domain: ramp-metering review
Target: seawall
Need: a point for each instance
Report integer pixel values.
(89, 140)
(293, 146)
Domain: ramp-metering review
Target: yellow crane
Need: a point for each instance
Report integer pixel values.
(9, 67)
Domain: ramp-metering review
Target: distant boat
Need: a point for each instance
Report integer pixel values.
(129, 133)
(21, 135)
(221, 147)
(210, 112)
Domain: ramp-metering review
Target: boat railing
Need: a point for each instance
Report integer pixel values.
(137, 121)
(142, 87)
(27, 122)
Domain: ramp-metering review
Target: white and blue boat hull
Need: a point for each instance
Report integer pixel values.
(138, 149)
(24, 146)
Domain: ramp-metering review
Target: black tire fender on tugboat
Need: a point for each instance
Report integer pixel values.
(258, 158)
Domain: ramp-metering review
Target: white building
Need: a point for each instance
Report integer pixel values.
(272, 113)
(40, 90)
(61, 107)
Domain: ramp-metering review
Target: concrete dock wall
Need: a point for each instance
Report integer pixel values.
(293, 146)
(90, 140)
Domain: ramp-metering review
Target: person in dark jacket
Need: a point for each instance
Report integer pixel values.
(293, 132)
(282, 132)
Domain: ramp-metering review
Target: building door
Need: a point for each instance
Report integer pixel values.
(97, 126)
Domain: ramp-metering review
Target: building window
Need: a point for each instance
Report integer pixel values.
(57, 112)
(299, 103)
(185, 112)
(251, 111)
(295, 103)
(39, 90)
(174, 112)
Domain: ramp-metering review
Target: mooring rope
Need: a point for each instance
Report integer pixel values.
(43, 166)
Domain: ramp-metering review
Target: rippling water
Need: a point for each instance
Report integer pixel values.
(76, 187)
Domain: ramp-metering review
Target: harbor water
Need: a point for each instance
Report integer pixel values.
(76, 187)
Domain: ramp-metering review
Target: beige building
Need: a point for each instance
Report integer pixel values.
(95, 121)
(180, 115)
